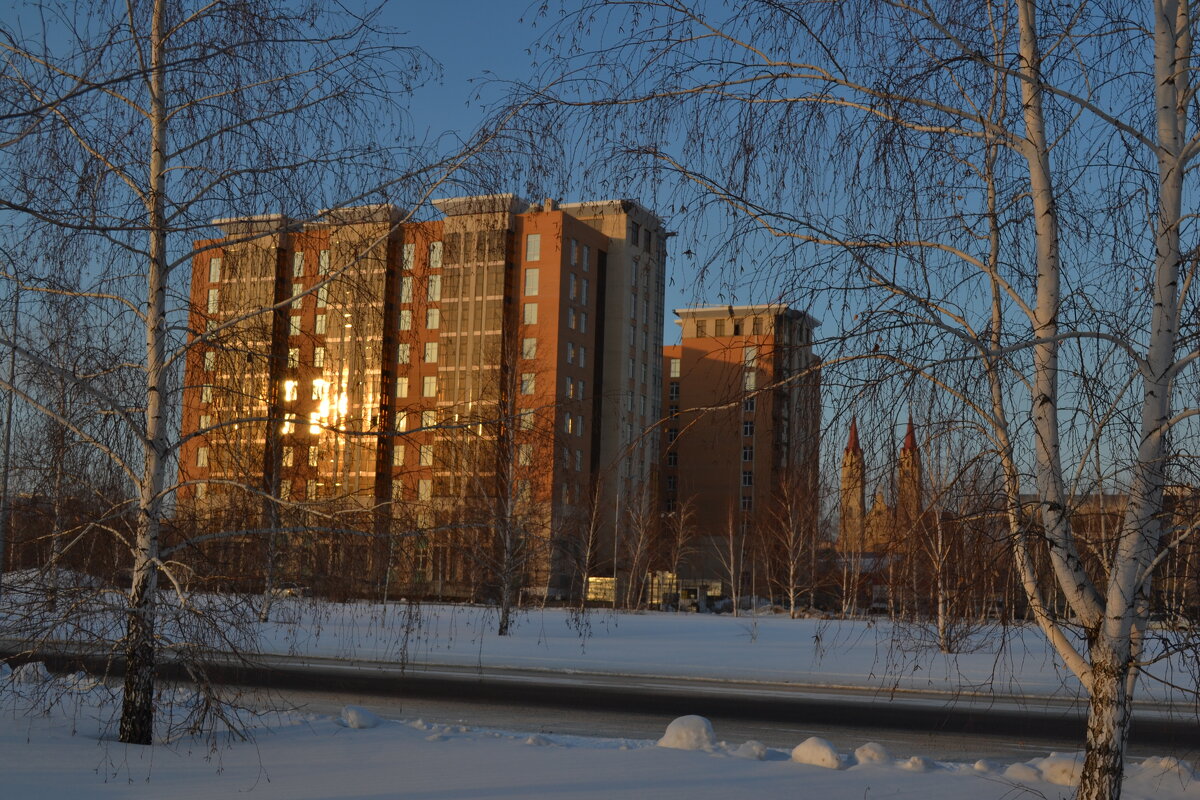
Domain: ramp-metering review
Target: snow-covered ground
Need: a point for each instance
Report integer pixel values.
(68, 752)
(57, 739)
(872, 654)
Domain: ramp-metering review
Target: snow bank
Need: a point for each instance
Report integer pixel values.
(1061, 769)
(872, 753)
(34, 672)
(752, 749)
(818, 752)
(689, 733)
(359, 717)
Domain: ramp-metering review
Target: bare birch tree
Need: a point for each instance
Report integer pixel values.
(994, 194)
(127, 128)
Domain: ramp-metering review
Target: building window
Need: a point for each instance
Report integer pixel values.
(402, 387)
(719, 327)
(424, 489)
(406, 319)
(435, 287)
(293, 357)
(569, 424)
(673, 390)
(570, 389)
(756, 326)
(579, 424)
(748, 452)
(210, 361)
(214, 270)
(435, 258)
(294, 325)
(323, 296)
(747, 478)
(407, 253)
(571, 286)
(320, 389)
(527, 382)
(205, 421)
(579, 461)
(290, 391)
(570, 352)
(314, 423)
(298, 264)
(322, 262)
(529, 347)
(406, 285)
(429, 386)
(748, 428)
(403, 353)
(672, 459)
(530, 313)
(583, 294)
(214, 301)
(701, 327)
(531, 281)
(431, 352)
(320, 327)
(398, 451)
(402, 421)
(674, 369)
(525, 422)
(737, 327)
(533, 247)
(287, 456)
(583, 322)
(672, 483)
(587, 257)
(635, 232)
(751, 380)
(579, 389)
(426, 455)
(297, 291)
(672, 435)
(571, 318)
(429, 418)
(433, 318)
(748, 405)
(747, 502)
(582, 356)
(524, 454)
(574, 252)
(313, 454)
(201, 456)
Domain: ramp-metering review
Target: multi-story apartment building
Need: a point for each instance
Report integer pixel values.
(445, 388)
(742, 432)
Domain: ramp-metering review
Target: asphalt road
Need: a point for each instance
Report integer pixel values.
(781, 715)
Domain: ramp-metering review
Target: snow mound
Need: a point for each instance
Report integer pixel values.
(358, 717)
(537, 741)
(918, 764)
(818, 752)
(1168, 764)
(872, 753)
(752, 749)
(33, 672)
(1023, 773)
(984, 767)
(1061, 769)
(691, 732)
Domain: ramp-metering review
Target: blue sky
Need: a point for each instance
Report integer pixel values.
(477, 40)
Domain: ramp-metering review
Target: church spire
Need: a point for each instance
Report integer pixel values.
(910, 436)
(852, 445)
